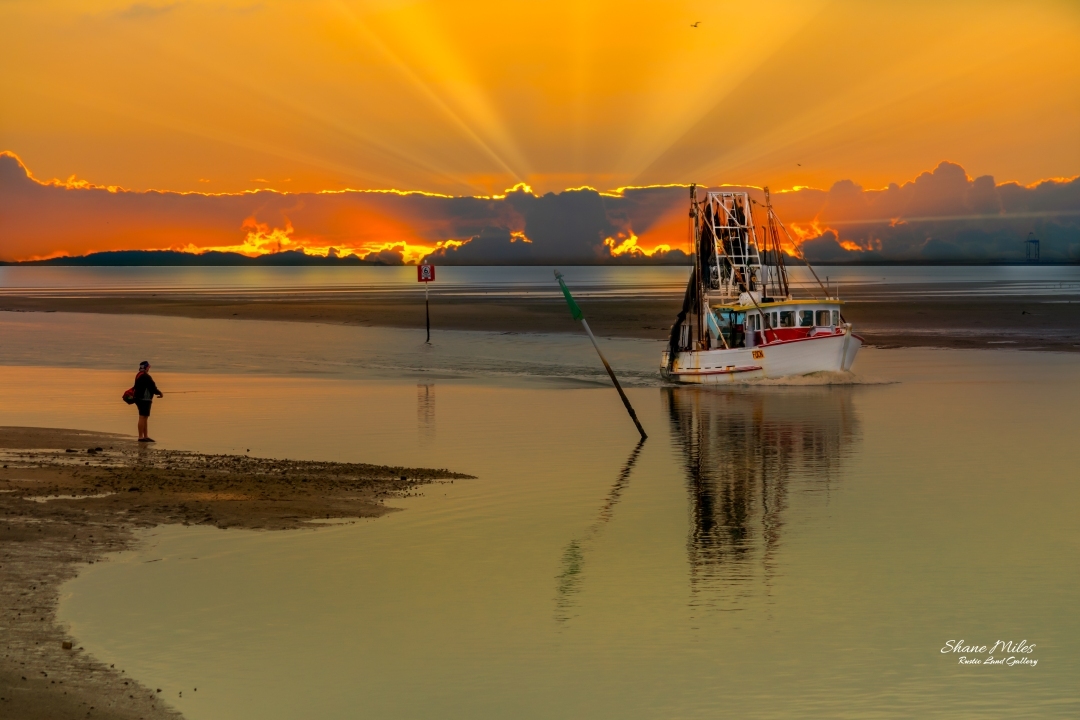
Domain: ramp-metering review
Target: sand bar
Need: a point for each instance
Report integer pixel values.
(123, 486)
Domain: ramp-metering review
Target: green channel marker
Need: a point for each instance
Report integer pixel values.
(574, 309)
(578, 315)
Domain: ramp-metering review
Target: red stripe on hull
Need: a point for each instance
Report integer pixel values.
(721, 371)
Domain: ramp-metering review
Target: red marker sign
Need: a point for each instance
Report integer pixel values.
(425, 274)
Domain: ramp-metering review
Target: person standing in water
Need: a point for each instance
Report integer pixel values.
(145, 390)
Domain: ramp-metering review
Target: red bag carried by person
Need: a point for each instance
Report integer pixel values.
(129, 394)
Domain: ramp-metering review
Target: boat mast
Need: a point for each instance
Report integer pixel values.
(773, 249)
(798, 252)
(700, 305)
(686, 331)
(696, 282)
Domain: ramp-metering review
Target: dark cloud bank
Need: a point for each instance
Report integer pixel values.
(572, 226)
(945, 216)
(941, 216)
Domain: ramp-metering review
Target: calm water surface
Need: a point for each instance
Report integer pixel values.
(780, 552)
(850, 281)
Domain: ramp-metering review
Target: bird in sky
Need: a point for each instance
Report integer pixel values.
(696, 24)
(799, 164)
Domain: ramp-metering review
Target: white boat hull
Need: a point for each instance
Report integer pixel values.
(821, 353)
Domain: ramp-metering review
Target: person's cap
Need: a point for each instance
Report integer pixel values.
(144, 364)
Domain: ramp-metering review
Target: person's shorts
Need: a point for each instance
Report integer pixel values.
(144, 407)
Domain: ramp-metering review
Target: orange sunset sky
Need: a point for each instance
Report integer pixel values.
(473, 98)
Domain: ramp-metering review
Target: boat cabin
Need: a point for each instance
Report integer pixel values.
(770, 322)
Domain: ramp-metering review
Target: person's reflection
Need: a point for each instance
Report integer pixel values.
(744, 452)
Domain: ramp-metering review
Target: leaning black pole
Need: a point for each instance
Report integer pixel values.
(578, 315)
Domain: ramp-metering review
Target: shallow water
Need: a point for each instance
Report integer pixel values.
(768, 552)
(185, 345)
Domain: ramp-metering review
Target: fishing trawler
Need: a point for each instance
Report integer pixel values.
(739, 320)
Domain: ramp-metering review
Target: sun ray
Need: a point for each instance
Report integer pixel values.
(473, 97)
(406, 70)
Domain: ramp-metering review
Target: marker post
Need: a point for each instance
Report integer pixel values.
(578, 315)
(425, 274)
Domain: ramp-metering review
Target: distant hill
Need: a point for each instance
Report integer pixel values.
(143, 258)
(298, 258)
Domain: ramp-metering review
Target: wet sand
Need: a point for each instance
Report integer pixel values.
(1041, 323)
(68, 497)
(1023, 323)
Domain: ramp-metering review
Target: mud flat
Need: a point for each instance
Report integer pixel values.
(1035, 323)
(68, 497)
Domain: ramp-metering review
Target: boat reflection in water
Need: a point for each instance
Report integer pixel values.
(749, 454)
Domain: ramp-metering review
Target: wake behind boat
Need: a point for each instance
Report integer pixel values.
(739, 320)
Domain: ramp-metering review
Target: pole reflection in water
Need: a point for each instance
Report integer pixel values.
(746, 453)
(425, 412)
(573, 559)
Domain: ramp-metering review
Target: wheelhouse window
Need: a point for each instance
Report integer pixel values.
(824, 318)
(836, 317)
(787, 318)
(806, 318)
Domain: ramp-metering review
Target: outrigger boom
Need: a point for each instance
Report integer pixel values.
(739, 319)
